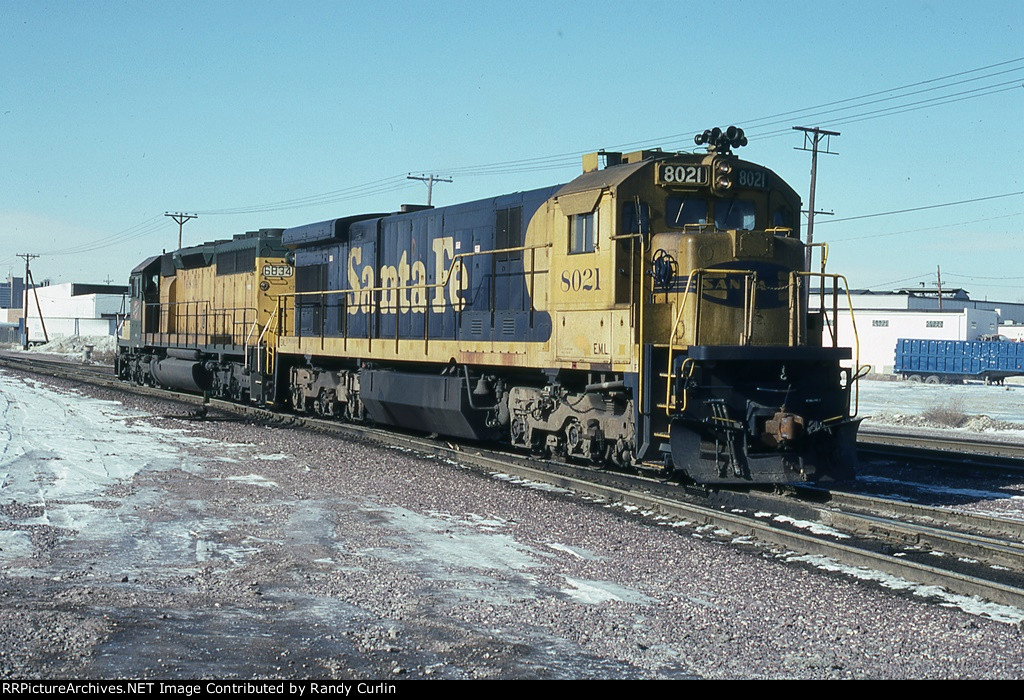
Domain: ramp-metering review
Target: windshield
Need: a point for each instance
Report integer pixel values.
(680, 211)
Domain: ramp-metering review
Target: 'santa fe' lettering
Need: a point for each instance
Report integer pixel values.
(404, 287)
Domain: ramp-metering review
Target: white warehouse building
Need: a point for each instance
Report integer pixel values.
(884, 317)
(879, 329)
(75, 309)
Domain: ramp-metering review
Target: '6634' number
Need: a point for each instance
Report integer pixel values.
(585, 280)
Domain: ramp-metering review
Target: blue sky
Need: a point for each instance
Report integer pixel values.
(112, 113)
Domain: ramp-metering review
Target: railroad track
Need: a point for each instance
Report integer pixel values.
(936, 448)
(980, 556)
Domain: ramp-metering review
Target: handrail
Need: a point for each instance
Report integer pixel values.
(749, 275)
(259, 341)
(376, 305)
(254, 326)
(693, 286)
(749, 299)
(196, 321)
(858, 370)
(434, 285)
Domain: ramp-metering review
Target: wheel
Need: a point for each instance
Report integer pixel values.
(915, 378)
(573, 435)
(932, 379)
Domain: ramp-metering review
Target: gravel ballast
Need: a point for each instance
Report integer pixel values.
(240, 550)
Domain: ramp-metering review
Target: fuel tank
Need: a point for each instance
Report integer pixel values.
(187, 375)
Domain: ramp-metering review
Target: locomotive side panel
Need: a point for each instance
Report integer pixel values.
(424, 286)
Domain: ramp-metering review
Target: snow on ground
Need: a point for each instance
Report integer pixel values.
(902, 403)
(104, 347)
(144, 546)
(60, 453)
(75, 345)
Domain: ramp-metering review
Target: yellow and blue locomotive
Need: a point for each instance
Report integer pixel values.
(652, 312)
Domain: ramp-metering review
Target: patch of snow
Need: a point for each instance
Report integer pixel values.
(997, 409)
(577, 552)
(255, 480)
(597, 592)
(971, 605)
(816, 528)
(539, 486)
(973, 494)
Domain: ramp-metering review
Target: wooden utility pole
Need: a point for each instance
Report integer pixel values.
(938, 280)
(430, 179)
(24, 309)
(181, 219)
(814, 136)
(39, 308)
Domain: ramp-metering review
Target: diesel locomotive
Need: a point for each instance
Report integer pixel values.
(652, 313)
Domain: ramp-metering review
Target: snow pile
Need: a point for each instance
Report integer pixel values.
(974, 424)
(104, 346)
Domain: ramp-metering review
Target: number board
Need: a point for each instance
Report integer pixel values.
(277, 270)
(752, 179)
(678, 174)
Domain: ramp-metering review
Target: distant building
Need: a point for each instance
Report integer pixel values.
(76, 309)
(12, 297)
(927, 299)
(12, 293)
(884, 317)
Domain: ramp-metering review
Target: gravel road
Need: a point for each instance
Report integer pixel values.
(138, 543)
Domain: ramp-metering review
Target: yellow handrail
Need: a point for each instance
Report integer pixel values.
(749, 297)
(858, 370)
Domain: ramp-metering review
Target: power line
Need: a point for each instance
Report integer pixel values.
(982, 277)
(568, 159)
(929, 206)
(565, 160)
(905, 279)
(790, 115)
(388, 184)
(925, 228)
(148, 226)
(915, 106)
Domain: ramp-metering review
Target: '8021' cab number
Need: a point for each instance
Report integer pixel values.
(680, 174)
(752, 179)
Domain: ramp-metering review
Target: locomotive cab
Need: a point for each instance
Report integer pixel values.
(736, 386)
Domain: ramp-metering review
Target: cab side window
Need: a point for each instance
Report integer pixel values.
(582, 233)
(636, 218)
